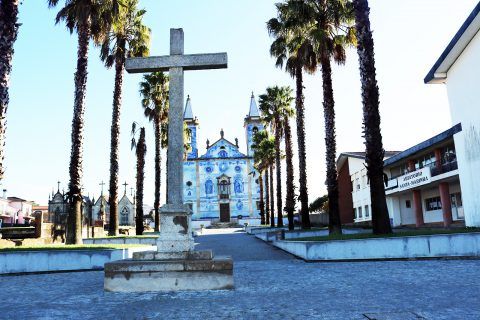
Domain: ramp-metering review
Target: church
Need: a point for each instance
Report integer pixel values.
(98, 210)
(222, 184)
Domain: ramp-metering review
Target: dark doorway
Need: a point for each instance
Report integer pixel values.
(224, 212)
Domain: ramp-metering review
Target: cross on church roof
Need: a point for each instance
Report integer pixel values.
(102, 184)
(125, 184)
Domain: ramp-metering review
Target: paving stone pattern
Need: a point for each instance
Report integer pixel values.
(270, 284)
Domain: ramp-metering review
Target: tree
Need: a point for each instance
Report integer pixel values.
(371, 118)
(8, 35)
(128, 37)
(295, 52)
(329, 27)
(264, 157)
(318, 204)
(140, 151)
(90, 19)
(154, 92)
(275, 105)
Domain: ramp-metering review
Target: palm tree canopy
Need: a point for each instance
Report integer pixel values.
(276, 103)
(291, 46)
(128, 36)
(325, 26)
(98, 15)
(154, 90)
(264, 150)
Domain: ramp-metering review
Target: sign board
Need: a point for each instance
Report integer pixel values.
(414, 179)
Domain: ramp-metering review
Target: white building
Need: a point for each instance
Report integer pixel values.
(422, 184)
(458, 67)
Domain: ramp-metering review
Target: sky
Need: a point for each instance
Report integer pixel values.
(409, 36)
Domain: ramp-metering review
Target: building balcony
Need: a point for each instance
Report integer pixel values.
(444, 168)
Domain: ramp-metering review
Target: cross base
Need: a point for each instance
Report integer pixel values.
(176, 231)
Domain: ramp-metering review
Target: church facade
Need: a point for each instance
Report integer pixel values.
(222, 184)
(98, 210)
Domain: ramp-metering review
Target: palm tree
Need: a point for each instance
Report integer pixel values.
(290, 196)
(140, 151)
(264, 157)
(8, 31)
(371, 118)
(128, 37)
(90, 19)
(275, 107)
(293, 50)
(154, 92)
(329, 27)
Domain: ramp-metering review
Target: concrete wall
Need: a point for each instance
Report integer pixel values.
(274, 235)
(464, 97)
(434, 246)
(61, 260)
(149, 241)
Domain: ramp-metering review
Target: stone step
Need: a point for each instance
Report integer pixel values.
(189, 255)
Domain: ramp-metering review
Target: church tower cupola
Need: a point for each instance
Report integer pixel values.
(253, 123)
(192, 123)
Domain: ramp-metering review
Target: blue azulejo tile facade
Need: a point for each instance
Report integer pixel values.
(222, 184)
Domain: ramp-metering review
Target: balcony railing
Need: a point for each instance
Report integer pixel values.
(444, 168)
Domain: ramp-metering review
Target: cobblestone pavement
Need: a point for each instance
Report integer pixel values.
(269, 284)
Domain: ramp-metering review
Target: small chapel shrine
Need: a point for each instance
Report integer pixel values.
(222, 184)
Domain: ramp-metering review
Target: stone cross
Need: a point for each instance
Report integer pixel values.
(176, 63)
(175, 239)
(102, 184)
(125, 185)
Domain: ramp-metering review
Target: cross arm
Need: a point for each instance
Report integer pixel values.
(187, 62)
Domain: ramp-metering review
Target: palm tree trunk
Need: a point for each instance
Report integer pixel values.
(141, 151)
(272, 200)
(267, 198)
(74, 219)
(114, 146)
(262, 204)
(302, 157)
(290, 197)
(334, 225)
(278, 165)
(8, 32)
(158, 172)
(371, 119)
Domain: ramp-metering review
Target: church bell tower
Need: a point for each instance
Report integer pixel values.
(192, 123)
(252, 124)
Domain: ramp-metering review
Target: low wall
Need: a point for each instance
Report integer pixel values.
(431, 246)
(257, 230)
(295, 234)
(61, 260)
(149, 241)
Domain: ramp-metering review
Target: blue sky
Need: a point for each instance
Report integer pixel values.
(409, 36)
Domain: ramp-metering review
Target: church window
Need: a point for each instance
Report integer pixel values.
(223, 154)
(224, 189)
(238, 168)
(255, 130)
(124, 216)
(189, 183)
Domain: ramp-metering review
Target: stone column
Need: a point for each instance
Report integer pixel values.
(446, 204)
(438, 159)
(417, 208)
(175, 138)
(175, 227)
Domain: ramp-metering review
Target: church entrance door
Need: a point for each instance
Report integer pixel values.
(224, 212)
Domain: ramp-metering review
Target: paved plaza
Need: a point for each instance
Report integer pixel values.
(270, 284)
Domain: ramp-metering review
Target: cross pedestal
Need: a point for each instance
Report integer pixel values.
(175, 265)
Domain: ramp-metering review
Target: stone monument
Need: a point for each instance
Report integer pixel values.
(175, 265)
